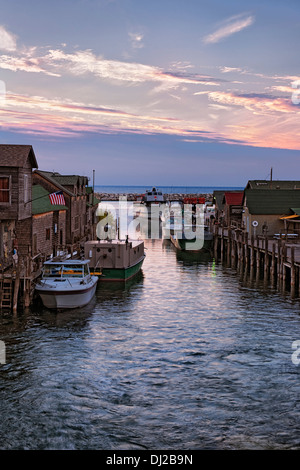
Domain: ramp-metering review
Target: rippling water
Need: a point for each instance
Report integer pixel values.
(187, 356)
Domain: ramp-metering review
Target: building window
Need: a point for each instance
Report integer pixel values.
(5, 189)
(47, 233)
(76, 222)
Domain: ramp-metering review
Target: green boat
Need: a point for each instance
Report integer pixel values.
(193, 245)
(115, 260)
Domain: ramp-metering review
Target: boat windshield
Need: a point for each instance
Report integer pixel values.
(53, 270)
(70, 270)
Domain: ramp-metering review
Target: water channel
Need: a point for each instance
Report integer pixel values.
(186, 356)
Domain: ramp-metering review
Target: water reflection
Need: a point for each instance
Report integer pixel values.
(185, 356)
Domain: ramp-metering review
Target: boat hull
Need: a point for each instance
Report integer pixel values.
(65, 299)
(120, 274)
(187, 245)
(115, 260)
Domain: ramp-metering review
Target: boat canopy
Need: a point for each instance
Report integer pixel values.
(66, 269)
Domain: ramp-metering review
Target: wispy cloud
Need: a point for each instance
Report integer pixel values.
(215, 109)
(58, 63)
(8, 41)
(230, 26)
(24, 63)
(136, 40)
(81, 62)
(258, 103)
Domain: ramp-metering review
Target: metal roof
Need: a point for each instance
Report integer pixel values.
(68, 261)
(272, 201)
(233, 198)
(273, 184)
(41, 202)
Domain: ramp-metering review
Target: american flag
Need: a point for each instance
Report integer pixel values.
(57, 198)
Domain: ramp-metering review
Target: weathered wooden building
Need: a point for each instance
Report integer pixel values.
(31, 228)
(80, 202)
(273, 184)
(218, 197)
(228, 206)
(232, 208)
(48, 225)
(16, 164)
(265, 210)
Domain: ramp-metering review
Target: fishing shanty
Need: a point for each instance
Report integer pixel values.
(35, 226)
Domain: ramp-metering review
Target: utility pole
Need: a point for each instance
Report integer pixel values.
(271, 177)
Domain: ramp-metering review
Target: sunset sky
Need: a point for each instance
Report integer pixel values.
(168, 92)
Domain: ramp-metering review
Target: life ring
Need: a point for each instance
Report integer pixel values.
(254, 223)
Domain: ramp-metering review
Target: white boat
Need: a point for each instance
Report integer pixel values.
(154, 196)
(66, 284)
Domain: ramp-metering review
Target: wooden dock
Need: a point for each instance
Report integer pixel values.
(17, 284)
(276, 259)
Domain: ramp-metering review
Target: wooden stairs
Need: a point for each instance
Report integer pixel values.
(6, 293)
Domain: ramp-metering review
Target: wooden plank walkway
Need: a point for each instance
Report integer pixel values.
(292, 248)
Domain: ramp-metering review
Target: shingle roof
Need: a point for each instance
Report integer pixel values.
(272, 201)
(61, 181)
(41, 202)
(17, 155)
(48, 176)
(68, 180)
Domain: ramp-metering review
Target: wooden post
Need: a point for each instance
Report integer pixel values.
(216, 239)
(284, 266)
(242, 251)
(252, 258)
(233, 253)
(222, 244)
(293, 272)
(257, 264)
(266, 265)
(272, 272)
(229, 247)
(279, 263)
(16, 291)
(246, 252)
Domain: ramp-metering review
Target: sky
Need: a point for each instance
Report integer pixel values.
(168, 92)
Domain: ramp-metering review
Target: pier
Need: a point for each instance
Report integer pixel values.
(137, 197)
(276, 260)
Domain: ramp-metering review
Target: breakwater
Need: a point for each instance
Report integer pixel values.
(104, 196)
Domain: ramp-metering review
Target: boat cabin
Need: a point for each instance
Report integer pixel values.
(153, 196)
(113, 254)
(66, 269)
